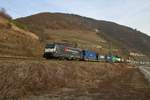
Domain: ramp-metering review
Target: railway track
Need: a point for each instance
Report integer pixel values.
(27, 58)
(19, 58)
(37, 59)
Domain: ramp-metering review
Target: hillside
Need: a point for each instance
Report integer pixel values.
(125, 38)
(35, 78)
(70, 80)
(15, 41)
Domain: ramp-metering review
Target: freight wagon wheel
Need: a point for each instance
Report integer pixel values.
(62, 58)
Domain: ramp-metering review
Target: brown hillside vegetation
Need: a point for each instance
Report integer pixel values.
(52, 80)
(123, 37)
(78, 38)
(35, 78)
(17, 42)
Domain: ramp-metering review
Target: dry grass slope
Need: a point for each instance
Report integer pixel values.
(17, 42)
(48, 79)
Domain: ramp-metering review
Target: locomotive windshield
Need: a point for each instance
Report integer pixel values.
(51, 46)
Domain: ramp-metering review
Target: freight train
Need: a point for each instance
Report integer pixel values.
(62, 51)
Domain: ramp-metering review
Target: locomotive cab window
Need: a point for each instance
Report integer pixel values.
(51, 46)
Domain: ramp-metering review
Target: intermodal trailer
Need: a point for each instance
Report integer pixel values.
(89, 55)
(57, 50)
(101, 58)
(113, 58)
(108, 58)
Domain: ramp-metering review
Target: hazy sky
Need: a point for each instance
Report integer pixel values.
(133, 13)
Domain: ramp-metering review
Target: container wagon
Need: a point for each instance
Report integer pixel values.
(89, 55)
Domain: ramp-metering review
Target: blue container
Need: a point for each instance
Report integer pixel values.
(89, 55)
